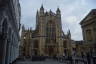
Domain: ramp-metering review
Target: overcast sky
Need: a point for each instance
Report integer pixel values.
(72, 12)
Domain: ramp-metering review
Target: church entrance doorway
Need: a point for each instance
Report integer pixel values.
(51, 51)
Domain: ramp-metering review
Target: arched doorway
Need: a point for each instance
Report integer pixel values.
(35, 52)
(51, 51)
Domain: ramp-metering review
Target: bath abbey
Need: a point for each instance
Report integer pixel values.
(48, 39)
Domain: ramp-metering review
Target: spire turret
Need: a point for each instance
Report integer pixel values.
(37, 13)
(46, 13)
(58, 11)
(37, 18)
(69, 34)
(41, 10)
(50, 12)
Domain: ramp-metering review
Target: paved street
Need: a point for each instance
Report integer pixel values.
(40, 62)
(43, 62)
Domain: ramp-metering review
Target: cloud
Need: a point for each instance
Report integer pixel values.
(71, 19)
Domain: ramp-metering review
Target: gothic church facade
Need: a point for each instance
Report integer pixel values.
(48, 39)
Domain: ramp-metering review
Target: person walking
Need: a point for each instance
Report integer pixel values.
(88, 58)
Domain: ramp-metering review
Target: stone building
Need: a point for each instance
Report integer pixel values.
(80, 48)
(10, 13)
(67, 44)
(26, 43)
(88, 25)
(48, 38)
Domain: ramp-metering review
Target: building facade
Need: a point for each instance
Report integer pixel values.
(48, 39)
(88, 25)
(26, 43)
(10, 13)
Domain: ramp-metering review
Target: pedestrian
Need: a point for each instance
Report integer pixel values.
(88, 58)
(82, 54)
(70, 59)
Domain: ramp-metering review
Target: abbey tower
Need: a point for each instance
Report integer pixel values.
(48, 26)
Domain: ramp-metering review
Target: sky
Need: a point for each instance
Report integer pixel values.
(72, 13)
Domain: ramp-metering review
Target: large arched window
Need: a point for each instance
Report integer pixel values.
(51, 31)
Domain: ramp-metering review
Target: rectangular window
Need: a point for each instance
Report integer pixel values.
(89, 35)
